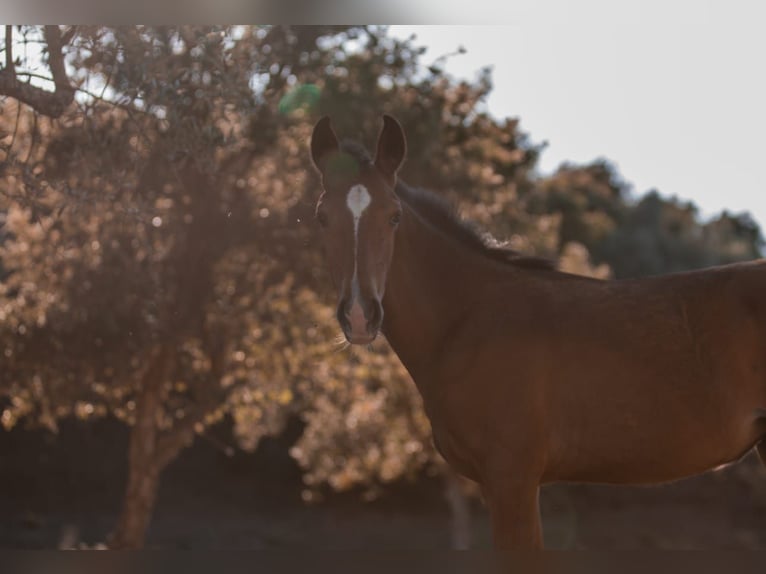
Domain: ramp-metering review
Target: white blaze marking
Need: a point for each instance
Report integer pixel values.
(357, 200)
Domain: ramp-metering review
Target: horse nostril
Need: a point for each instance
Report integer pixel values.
(376, 315)
(343, 314)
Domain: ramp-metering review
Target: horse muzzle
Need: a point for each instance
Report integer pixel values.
(360, 320)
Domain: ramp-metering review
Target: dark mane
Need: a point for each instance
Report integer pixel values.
(437, 211)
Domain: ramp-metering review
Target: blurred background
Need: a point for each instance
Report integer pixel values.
(171, 374)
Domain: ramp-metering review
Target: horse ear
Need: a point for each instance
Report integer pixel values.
(392, 147)
(324, 142)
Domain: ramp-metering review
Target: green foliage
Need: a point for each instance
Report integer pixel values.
(634, 238)
(664, 235)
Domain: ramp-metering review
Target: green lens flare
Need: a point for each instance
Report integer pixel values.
(302, 97)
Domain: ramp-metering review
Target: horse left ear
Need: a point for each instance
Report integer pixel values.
(324, 143)
(392, 147)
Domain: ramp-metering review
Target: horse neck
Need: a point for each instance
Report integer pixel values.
(426, 291)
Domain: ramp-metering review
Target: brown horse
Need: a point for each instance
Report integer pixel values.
(530, 375)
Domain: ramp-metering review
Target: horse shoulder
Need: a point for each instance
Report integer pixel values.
(489, 402)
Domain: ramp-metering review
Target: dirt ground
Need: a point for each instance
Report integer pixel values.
(66, 489)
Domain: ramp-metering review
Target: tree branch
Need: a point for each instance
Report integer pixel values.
(56, 58)
(68, 35)
(51, 104)
(95, 96)
(174, 440)
(9, 67)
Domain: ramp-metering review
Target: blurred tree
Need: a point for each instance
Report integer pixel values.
(123, 218)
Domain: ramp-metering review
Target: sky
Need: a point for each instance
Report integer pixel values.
(673, 94)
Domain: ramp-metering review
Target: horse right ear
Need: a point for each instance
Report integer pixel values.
(324, 142)
(392, 147)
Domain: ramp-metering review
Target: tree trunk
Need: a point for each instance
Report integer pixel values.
(144, 472)
(143, 483)
(460, 511)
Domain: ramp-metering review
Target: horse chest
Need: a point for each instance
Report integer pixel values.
(456, 453)
(452, 440)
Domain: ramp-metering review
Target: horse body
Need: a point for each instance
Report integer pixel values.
(530, 375)
(660, 381)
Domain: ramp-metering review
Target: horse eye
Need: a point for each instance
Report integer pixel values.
(396, 218)
(322, 218)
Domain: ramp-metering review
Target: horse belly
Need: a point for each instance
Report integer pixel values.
(655, 420)
(643, 456)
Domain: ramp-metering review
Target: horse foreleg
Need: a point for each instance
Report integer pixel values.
(515, 514)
